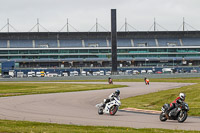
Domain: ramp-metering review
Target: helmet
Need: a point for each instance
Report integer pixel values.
(117, 92)
(182, 96)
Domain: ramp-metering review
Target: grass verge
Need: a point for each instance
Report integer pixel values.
(7, 126)
(13, 89)
(179, 80)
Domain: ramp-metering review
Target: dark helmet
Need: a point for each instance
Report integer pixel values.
(117, 92)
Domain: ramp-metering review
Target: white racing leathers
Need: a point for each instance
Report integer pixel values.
(112, 95)
(111, 105)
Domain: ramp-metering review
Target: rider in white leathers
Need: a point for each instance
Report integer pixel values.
(111, 97)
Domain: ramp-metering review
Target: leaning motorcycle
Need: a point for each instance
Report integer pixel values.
(179, 113)
(110, 107)
(110, 81)
(147, 82)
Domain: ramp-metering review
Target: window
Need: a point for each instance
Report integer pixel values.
(34, 52)
(44, 51)
(64, 51)
(23, 52)
(83, 51)
(93, 51)
(174, 50)
(122, 51)
(73, 51)
(152, 50)
(104, 51)
(4, 52)
(13, 52)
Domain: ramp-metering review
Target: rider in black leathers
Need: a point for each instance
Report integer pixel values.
(110, 80)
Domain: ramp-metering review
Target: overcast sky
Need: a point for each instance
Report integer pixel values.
(82, 14)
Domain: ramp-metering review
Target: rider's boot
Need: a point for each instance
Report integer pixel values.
(170, 111)
(167, 114)
(104, 105)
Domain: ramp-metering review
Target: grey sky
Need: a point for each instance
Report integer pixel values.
(82, 14)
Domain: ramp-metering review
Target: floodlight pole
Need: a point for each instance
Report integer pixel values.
(183, 24)
(38, 25)
(96, 25)
(125, 25)
(67, 25)
(114, 40)
(154, 24)
(8, 24)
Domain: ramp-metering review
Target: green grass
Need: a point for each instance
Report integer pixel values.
(7, 126)
(179, 80)
(10, 89)
(154, 101)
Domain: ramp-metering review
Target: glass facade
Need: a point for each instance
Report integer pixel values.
(81, 56)
(99, 53)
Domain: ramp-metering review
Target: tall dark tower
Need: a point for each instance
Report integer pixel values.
(114, 40)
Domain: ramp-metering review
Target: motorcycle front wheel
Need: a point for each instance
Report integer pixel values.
(162, 117)
(113, 110)
(182, 116)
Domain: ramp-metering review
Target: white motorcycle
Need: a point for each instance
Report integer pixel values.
(110, 107)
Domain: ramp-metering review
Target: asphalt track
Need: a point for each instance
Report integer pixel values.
(79, 108)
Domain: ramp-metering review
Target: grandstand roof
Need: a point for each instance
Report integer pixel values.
(83, 35)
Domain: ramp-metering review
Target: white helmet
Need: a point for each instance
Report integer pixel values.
(182, 96)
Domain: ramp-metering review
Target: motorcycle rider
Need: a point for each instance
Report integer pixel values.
(109, 80)
(147, 81)
(111, 97)
(145, 78)
(176, 102)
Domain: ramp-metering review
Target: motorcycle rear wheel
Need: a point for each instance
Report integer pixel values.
(162, 117)
(113, 110)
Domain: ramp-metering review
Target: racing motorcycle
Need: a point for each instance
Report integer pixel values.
(179, 113)
(110, 81)
(110, 107)
(147, 82)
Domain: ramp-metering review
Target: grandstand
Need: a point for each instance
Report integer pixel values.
(93, 49)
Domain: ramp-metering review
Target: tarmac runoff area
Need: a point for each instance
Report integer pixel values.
(78, 108)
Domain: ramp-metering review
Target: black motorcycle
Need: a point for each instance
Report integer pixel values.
(179, 113)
